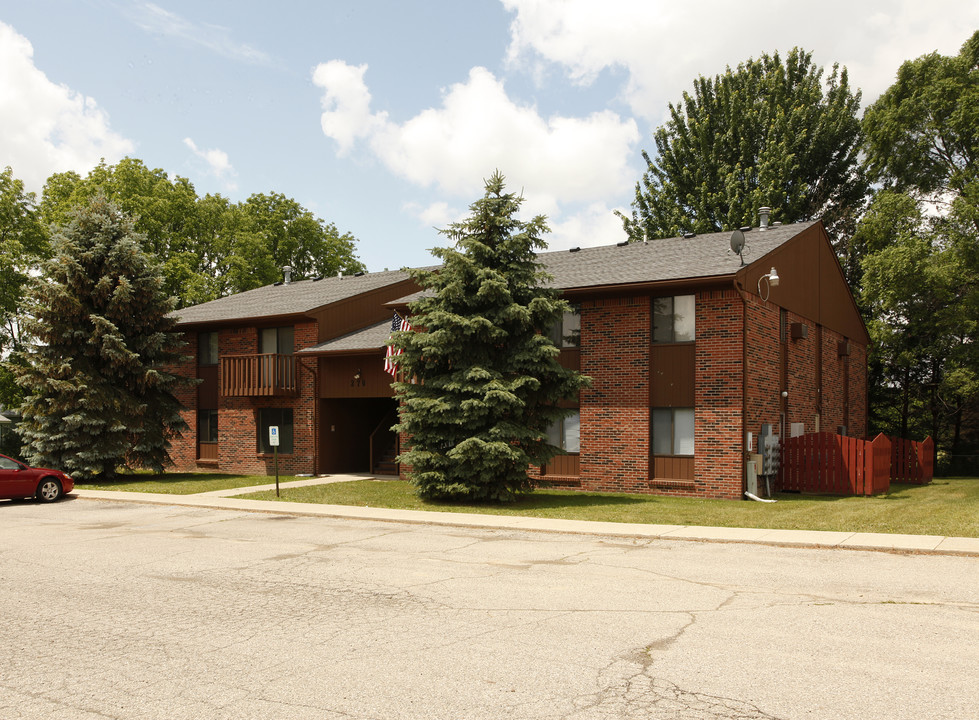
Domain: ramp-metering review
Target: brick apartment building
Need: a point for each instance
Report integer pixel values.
(690, 346)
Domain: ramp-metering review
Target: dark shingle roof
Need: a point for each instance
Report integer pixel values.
(700, 256)
(368, 338)
(296, 298)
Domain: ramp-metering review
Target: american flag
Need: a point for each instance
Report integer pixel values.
(390, 365)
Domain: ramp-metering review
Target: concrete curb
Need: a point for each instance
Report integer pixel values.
(215, 500)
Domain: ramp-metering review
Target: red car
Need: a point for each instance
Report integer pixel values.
(18, 480)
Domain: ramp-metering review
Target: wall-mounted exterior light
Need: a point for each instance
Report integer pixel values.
(771, 280)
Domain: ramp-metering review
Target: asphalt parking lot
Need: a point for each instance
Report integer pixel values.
(128, 610)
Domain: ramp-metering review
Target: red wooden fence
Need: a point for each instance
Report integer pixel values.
(840, 465)
(913, 462)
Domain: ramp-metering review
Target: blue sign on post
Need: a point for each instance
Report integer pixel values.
(274, 443)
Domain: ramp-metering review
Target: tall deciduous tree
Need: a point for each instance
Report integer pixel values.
(481, 380)
(97, 392)
(23, 243)
(921, 287)
(208, 247)
(766, 134)
(919, 291)
(294, 236)
(923, 132)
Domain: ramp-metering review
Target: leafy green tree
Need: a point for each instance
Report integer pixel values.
(921, 288)
(294, 236)
(209, 247)
(481, 380)
(766, 134)
(922, 134)
(919, 293)
(164, 211)
(97, 394)
(23, 242)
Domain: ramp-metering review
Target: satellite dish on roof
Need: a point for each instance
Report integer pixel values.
(737, 243)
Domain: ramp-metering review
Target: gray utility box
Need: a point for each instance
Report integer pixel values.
(770, 449)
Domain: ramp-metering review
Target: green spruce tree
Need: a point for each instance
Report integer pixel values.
(97, 393)
(480, 378)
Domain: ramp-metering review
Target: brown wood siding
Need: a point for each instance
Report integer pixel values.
(570, 358)
(564, 465)
(672, 375)
(672, 468)
(360, 311)
(337, 376)
(207, 391)
(207, 451)
(811, 283)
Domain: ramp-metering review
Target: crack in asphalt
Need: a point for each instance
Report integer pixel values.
(632, 690)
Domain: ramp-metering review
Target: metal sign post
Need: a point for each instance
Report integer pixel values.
(274, 442)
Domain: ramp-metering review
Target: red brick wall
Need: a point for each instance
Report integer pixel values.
(718, 467)
(183, 449)
(764, 383)
(238, 416)
(835, 369)
(615, 411)
(810, 391)
(802, 381)
(857, 365)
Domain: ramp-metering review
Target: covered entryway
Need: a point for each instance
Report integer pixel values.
(356, 436)
(356, 404)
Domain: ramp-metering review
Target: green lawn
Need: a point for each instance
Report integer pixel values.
(948, 506)
(182, 483)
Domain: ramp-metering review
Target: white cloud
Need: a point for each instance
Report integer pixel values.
(346, 103)
(438, 215)
(217, 162)
(478, 129)
(593, 224)
(154, 19)
(47, 127)
(663, 45)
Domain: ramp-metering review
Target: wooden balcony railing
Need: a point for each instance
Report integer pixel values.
(258, 375)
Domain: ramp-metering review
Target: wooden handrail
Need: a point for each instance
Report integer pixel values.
(388, 421)
(259, 375)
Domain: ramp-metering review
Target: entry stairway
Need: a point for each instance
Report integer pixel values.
(384, 447)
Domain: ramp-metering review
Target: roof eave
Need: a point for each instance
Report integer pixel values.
(652, 286)
(251, 321)
(333, 353)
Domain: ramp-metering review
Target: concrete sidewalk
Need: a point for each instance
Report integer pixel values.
(225, 500)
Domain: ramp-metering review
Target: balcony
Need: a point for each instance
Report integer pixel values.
(258, 375)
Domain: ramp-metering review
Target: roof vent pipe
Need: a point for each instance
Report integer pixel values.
(287, 274)
(763, 214)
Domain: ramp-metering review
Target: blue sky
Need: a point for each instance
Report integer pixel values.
(384, 117)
